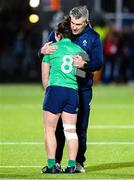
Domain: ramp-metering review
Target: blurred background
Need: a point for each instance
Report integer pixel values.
(26, 24)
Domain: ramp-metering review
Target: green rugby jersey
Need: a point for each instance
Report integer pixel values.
(62, 70)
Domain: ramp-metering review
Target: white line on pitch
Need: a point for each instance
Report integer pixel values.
(113, 106)
(18, 106)
(40, 143)
(109, 143)
(111, 126)
(20, 166)
(21, 143)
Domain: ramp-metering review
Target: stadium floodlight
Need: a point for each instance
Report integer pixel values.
(34, 3)
(33, 18)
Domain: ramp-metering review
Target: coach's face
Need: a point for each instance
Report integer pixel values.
(77, 25)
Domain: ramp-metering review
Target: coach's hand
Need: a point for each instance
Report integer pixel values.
(47, 49)
(78, 61)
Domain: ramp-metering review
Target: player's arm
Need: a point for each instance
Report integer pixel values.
(45, 74)
(46, 48)
(45, 69)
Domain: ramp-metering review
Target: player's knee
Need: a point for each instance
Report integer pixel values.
(70, 131)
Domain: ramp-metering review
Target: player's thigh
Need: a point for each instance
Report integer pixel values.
(50, 119)
(69, 118)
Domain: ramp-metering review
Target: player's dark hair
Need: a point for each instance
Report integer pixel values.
(63, 28)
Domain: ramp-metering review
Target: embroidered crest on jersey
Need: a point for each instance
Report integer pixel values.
(84, 43)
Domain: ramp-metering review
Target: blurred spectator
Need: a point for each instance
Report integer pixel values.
(127, 66)
(102, 28)
(111, 55)
(19, 52)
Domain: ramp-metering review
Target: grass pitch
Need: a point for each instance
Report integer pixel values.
(110, 144)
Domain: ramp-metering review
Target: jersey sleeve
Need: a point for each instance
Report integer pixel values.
(51, 37)
(46, 59)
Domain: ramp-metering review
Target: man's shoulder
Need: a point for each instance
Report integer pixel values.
(90, 31)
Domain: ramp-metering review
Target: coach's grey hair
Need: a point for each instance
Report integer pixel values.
(80, 11)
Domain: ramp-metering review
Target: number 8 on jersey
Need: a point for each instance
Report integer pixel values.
(66, 67)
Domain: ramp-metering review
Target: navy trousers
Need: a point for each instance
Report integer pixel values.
(85, 97)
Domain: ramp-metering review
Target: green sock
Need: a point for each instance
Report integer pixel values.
(71, 163)
(51, 163)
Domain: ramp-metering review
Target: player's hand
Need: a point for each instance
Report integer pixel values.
(47, 49)
(78, 61)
